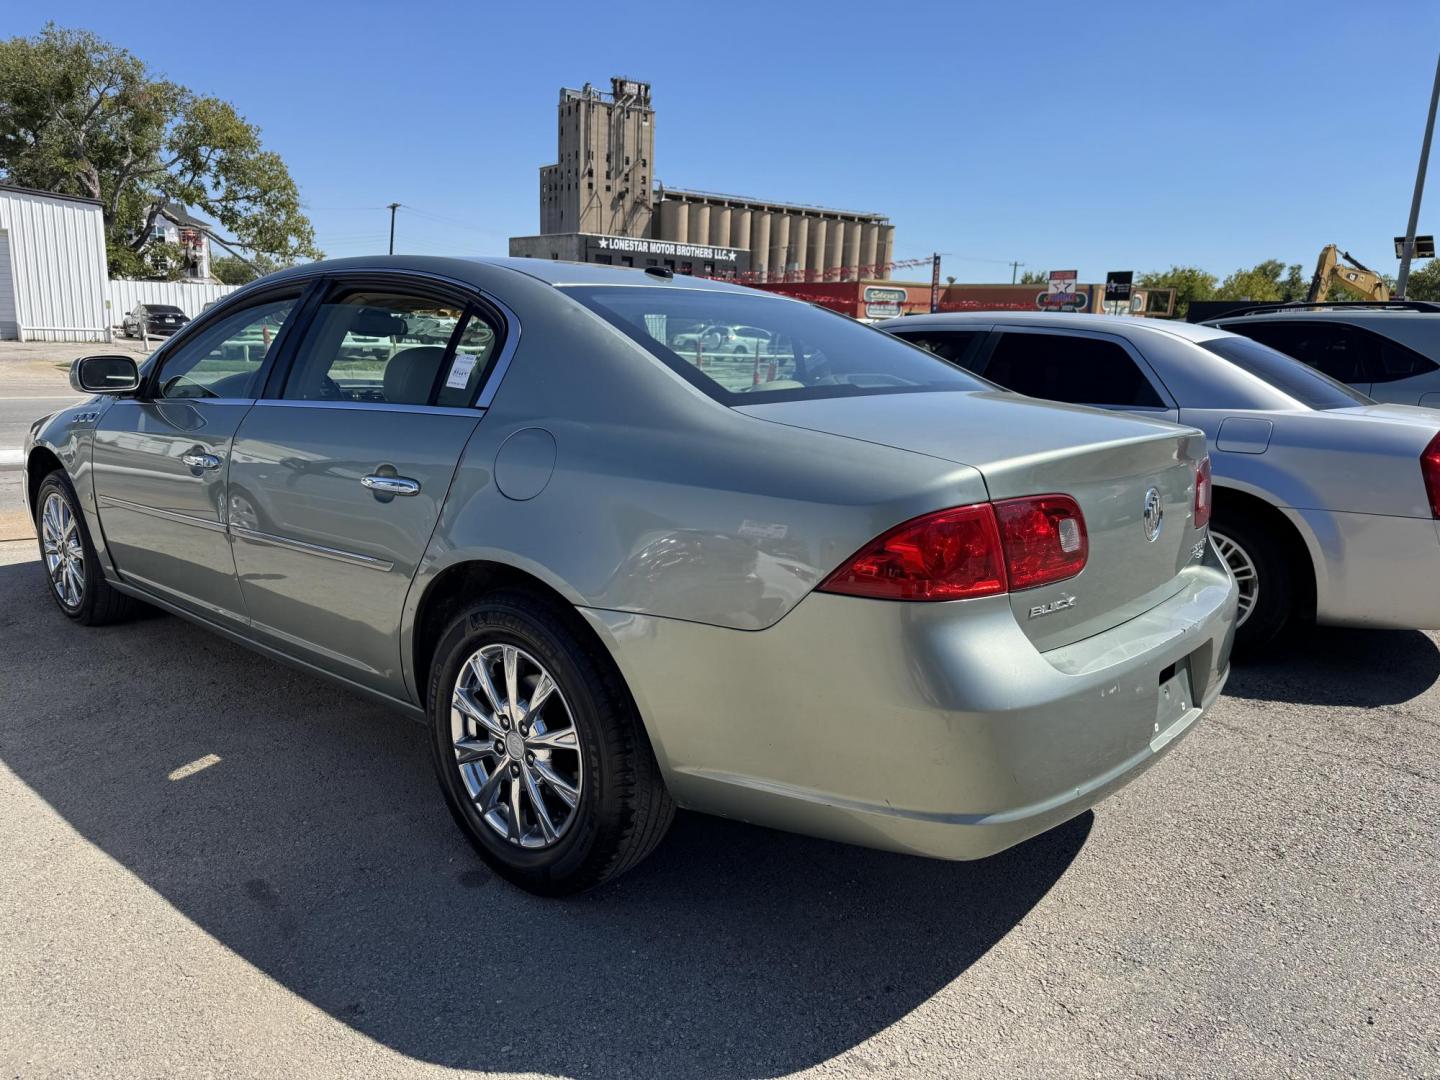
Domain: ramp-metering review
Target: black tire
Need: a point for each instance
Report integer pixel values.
(623, 809)
(1275, 592)
(98, 603)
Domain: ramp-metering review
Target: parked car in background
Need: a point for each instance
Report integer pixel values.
(1387, 352)
(722, 340)
(867, 598)
(153, 320)
(1325, 502)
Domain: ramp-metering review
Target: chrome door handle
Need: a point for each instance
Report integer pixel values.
(391, 485)
(200, 461)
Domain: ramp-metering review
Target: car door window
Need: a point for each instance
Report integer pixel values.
(1399, 362)
(393, 348)
(1333, 348)
(1079, 370)
(958, 346)
(223, 359)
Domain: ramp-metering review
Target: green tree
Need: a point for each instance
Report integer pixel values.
(233, 270)
(1271, 280)
(1424, 283)
(80, 116)
(1189, 282)
(1034, 277)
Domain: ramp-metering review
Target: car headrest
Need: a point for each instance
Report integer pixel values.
(411, 373)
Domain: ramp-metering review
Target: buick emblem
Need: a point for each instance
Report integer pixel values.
(1154, 515)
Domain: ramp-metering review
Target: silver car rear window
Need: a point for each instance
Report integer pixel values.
(1286, 374)
(742, 349)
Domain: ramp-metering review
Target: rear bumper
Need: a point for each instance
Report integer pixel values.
(935, 729)
(1372, 570)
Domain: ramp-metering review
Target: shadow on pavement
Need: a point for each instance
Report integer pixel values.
(1332, 666)
(319, 850)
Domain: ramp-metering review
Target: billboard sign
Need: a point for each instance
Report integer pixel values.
(1062, 293)
(1117, 286)
(1424, 247)
(883, 303)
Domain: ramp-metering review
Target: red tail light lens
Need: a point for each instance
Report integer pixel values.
(1430, 470)
(1204, 493)
(949, 555)
(1044, 539)
(970, 551)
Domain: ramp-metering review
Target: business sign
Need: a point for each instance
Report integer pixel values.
(1117, 286)
(883, 303)
(668, 249)
(1062, 293)
(1424, 247)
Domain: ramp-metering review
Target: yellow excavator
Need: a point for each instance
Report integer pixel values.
(1356, 278)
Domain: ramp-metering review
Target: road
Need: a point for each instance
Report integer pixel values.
(213, 865)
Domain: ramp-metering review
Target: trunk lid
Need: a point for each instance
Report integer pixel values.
(1107, 463)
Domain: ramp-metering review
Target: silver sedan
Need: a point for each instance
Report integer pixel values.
(844, 588)
(1326, 504)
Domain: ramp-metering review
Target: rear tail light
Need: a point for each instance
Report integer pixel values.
(950, 555)
(1205, 493)
(1430, 470)
(1044, 538)
(969, 551)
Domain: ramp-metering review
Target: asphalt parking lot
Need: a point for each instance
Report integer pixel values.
(213, 865)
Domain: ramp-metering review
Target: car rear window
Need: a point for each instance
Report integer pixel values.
(1286, 374)
(163, 309)
(745, 348)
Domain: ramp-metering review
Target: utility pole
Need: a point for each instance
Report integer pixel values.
(392, 208)
(1409, 250)
(1014, 269)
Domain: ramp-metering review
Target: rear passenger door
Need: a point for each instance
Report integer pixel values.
(339, 472)
(1079, 367)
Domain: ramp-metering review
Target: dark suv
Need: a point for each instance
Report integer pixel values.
(1391, 354)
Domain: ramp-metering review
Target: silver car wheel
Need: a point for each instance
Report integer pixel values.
(64, 551)
(516, 746)
(1242, 568)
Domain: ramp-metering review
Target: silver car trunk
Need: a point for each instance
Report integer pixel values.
(1109, 464)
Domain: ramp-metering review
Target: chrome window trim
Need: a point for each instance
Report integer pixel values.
(165, 515)
(472, 411)
(187, 401)
(349, 557)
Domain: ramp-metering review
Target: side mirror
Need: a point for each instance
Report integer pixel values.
(105, 375)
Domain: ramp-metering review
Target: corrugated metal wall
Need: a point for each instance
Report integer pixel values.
(56, 269)
(188, 296)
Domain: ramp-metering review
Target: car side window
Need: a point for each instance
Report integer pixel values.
(1333, 348)
(1398, 361)
(957, 346)
(223, 358)
(390, 347)
(1078, 370)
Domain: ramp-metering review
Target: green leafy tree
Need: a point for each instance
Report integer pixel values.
(1271, 280)
(233, 270)
(1424, 282)
(156, 261)
(1034, 277)
(80, 116)
(1189, 282)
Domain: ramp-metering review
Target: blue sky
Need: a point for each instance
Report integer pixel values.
(1063, 135)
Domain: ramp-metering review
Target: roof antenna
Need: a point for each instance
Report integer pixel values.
(660, 272)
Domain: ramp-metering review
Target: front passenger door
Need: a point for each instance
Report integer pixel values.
(337, 481)
(160, 458)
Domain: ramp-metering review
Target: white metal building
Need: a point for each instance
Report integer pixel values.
(52, 267)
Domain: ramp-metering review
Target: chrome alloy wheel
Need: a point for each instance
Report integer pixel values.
(1245, 574)
(516, 746)
(64, 551)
